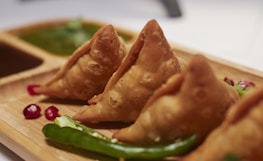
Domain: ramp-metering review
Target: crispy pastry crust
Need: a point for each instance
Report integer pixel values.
(149, 63)
(89, 68)
(241, 134)
(193, 102)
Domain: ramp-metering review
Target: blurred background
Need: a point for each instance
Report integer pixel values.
(231, 29)
(228, 29)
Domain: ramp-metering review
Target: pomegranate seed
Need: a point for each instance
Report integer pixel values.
(30, 89)
(246, 84)
(51, 113)
(229, 81)
(32, 111)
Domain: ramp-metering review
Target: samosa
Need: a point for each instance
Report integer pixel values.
(240, 136)
(149, 63)
(88, 70)
(192, 102)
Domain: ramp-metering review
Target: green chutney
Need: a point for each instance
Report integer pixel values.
(64, 40)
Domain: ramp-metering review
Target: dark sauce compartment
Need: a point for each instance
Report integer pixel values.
(13, 60)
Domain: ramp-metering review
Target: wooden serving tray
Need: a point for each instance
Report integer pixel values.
(25, 138)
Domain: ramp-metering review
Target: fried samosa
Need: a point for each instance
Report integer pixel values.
(149, 63)
(89, 68)
(192, 102)
(239, 136)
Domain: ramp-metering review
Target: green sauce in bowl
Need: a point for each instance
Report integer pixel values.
(65, 39)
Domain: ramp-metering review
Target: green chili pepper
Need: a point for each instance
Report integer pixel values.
(66, 121)
(75, 137)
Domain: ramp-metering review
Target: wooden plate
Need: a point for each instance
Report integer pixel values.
(25, 138)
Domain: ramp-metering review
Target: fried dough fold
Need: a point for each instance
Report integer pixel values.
(192, 102)
(90, 67)
(240, 135)
(149, 63)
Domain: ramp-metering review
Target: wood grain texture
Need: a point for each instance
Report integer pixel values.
(25, 137)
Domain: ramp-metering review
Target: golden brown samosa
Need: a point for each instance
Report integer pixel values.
(240, 135)
(193, 102)
(89, 68)
(149, 63)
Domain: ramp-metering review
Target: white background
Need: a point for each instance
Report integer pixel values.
(229, 29)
